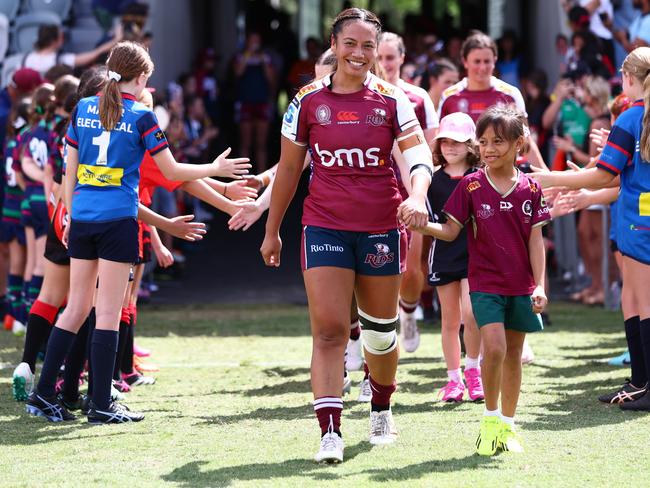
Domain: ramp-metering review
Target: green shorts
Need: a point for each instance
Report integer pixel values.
(514, 312)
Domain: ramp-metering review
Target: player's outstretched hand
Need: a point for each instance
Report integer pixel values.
(183, 228)
(230, 168)
(413, 212)
(164, 256)
(240, 190)
(271, 248)
(539, 299)
(247, 215)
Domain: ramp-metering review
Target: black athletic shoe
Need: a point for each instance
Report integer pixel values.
(114, 414)
(85, 404)
(628, 393)
(640, 405)
(48, 407)
(70, 404)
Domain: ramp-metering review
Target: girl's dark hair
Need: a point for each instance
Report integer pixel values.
(92, 81)
(64, 87)
(129, 60)
(435, 69)
(506, 121)
(354, 14)
(478, 40)
(473, 157)
(18, 116)
(42, 106)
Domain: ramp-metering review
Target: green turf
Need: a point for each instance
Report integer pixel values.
(232, 408)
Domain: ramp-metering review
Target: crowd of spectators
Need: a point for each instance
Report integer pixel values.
(202, 112)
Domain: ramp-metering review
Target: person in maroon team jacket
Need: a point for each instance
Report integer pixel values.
(353, 239)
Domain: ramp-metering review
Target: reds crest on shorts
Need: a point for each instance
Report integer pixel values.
(383, 256)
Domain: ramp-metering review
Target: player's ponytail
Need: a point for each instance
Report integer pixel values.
(42, 105)
(126, 62)
(644, 143)
(637, 64)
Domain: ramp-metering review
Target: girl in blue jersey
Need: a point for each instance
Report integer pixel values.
(106, 141)
(627, 154)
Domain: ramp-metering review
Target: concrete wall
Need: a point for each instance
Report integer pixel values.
(173, 47)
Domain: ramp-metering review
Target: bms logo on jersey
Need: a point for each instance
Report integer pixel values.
(349, 157)
(382, 257)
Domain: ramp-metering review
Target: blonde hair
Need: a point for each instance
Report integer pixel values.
(129, 60)
(598, 88)
(637, 64)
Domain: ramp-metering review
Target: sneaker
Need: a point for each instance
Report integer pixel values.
(18, 328)
(474, 384)
(8, 322)
(116, 413)
(508, 439)
(365, 392)
(627, 393)
(353, 355)
(69, 404)
(50, 408)
(527, 354)
(641, 404)
(331, 449)
(620, 360)
(452, 392)
(85, 404)
(121, 386)
(488, 436)
(409, 332)
(347, 382)
(141, 352)
(136, 379)
(382, 427)
(144, 367)
(23, 382)
(116, 395)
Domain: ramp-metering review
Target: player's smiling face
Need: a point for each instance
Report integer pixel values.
(496, 151)
(390, 60)
(355, 48)
(480, 65)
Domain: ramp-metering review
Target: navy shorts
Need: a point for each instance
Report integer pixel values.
(40, 219)
(12, 230)
(441, 278)
(55, 251)
(116, 240)
(366, 253)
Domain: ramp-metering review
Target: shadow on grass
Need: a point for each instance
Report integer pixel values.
(27, 430)
(293, 386)
(420, 470)
(278, 413)
(190, 474)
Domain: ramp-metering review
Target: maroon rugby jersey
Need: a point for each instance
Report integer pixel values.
(350, 137)
(457, 98)
(426, 114)
(501, 226)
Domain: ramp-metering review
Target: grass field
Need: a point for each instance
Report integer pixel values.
(232, 408)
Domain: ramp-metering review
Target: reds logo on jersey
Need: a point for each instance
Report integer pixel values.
(474, 185)
(383, 256)
(377, 117)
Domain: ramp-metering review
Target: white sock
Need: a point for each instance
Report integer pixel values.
(491, 413)
(508, 420)
(472, 363)
(454, 375)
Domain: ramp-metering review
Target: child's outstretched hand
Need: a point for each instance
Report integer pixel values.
(539, 299)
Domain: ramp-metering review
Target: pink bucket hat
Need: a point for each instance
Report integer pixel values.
(457, 126)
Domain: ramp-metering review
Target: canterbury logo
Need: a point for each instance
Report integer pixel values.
(347, 116)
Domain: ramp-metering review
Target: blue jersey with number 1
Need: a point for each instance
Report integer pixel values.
(109, 161)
